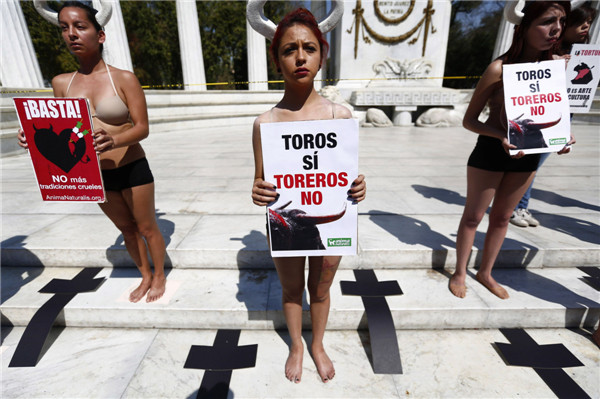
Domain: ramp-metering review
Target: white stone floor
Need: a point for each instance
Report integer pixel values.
(223, 277)
(148, 363)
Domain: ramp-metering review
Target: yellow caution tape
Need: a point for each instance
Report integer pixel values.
(180, 85)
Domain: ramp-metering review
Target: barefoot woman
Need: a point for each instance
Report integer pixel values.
(492, 174)
(298, 50)
(120, 122)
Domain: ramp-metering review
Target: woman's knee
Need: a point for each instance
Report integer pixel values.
(499, 219)
(471, 220)
(292, 295)
(129, 229)
(319, 294)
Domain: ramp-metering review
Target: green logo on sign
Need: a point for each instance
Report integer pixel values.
(558, 141)
(339, 242)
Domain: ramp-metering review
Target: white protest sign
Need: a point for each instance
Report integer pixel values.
(583, 74)
(537, 106)
(313, 165)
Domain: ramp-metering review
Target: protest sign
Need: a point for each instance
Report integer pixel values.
(583, 74)
(537, 106)
(58, 133)
(313, 165)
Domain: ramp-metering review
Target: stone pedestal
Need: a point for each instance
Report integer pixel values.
(116, 47)
(392, 43)
(190, 45)
(402, 115)
(18, 64)
(405, 100)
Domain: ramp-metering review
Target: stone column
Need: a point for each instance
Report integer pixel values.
(319, 9)
(18, 64)
(190, 45)
(504, 38)
(116, 46)
(257, 59)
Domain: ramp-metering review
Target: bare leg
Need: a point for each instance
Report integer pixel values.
(118, 212)
(140, 200)
(320, 277)
(511, 189)
(481, 187)
(291, 276)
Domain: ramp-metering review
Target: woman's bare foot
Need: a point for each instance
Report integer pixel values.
(293, 365)
(457, 286)
(493, 286)
(141, 290)
(324, 365)
(157, 288)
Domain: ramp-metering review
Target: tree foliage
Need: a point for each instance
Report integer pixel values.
(51, 52)
(223, 34)
(473, 30)
(153, 42)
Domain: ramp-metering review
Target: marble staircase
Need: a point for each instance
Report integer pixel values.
(221, 274)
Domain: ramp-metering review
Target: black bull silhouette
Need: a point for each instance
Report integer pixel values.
(293, 229)
(525, 133)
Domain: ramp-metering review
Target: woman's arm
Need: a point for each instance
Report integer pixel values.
(263, 192)
(490, 82)
(135, 100)
(487, 85)
(59, 84)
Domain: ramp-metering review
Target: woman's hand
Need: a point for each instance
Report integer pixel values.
(567, 148)
(263, 193)
(358, 190)
(508, 146)
(22, 140)
(103, 141)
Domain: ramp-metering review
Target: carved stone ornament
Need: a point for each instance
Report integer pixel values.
(391, 72)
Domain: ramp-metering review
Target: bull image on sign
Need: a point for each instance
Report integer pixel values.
(293, 229)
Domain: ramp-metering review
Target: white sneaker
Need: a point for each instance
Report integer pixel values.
(527, 217)
(517, 219)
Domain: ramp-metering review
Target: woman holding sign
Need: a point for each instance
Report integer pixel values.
(492, 174)
(120, 122)
(299, 49)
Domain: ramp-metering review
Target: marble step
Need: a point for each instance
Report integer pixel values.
(50, 234)
(251, 300)
(148, 363)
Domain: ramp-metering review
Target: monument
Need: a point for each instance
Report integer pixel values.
(391, 53)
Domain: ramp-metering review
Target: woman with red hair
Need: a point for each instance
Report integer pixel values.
(298, 50)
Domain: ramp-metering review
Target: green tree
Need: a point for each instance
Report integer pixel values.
(51, 52)
(153, 42)
(223, 33)
(473, 30)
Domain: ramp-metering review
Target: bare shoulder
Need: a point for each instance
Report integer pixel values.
(494, 70)
(60, 82)
(124, 77)
(342, 112)
(262, 118)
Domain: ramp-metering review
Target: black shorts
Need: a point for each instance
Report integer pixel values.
(133, 174)
(489, 154)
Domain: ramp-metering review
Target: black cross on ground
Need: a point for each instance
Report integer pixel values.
(219, 361)
(593, 278)
(548, 361)
(32, 341)
(384, 342)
